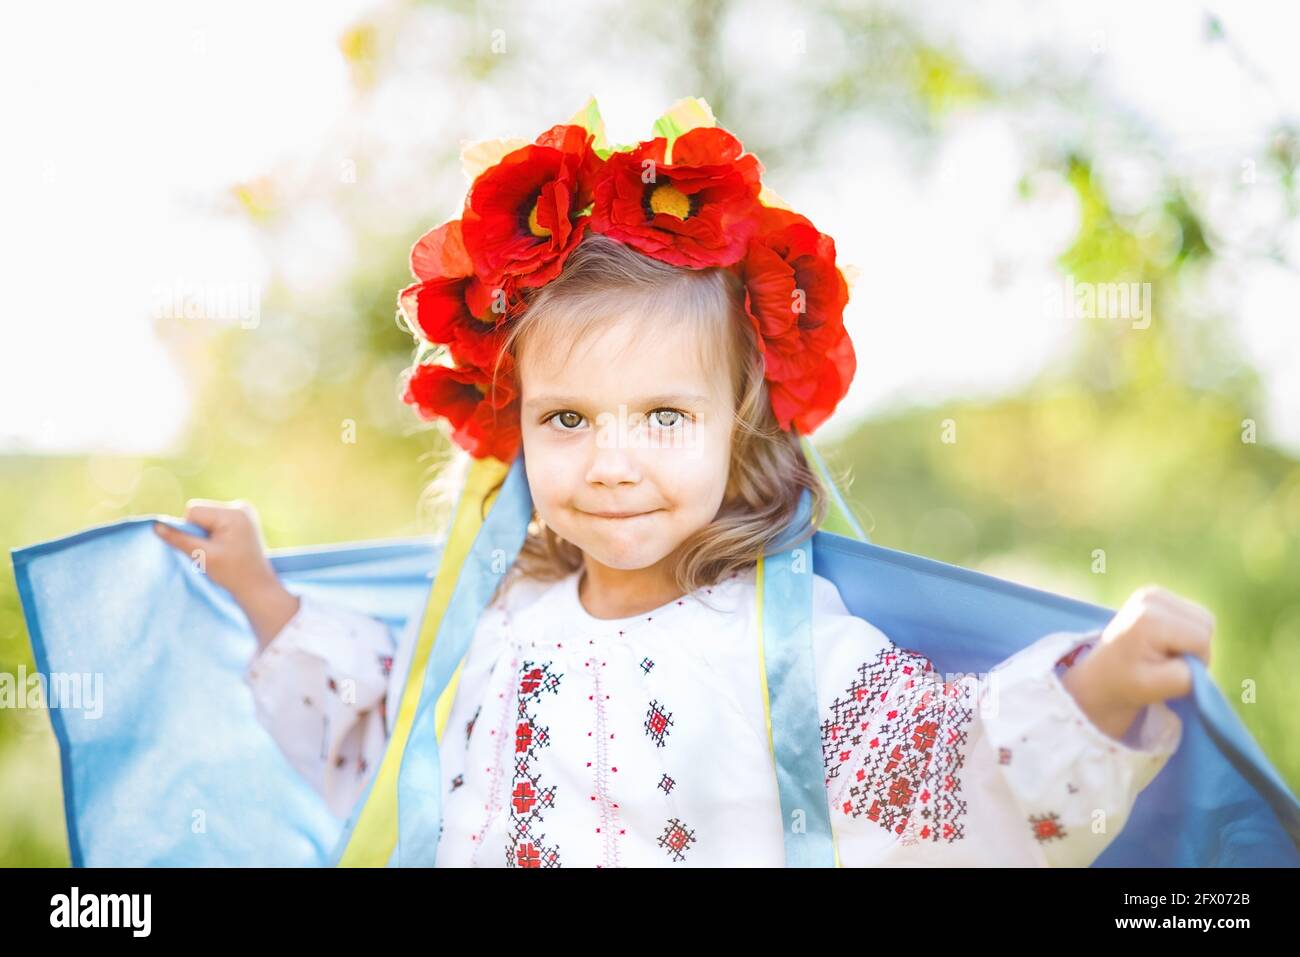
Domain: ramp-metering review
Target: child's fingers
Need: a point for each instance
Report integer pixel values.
(1198, 615)
(1191, 608)
(1183, 607)
(1171, 679)
(204, 513)
(178, 539)
(1184, 633)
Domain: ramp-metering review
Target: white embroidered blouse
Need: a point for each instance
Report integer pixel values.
(575, 741)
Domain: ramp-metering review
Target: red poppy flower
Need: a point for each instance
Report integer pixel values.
(795, 297)
(440, 253)
(448, 311)
(524, 215)
(484, 421)
(807, 403)
(697, 211)
(448, 304)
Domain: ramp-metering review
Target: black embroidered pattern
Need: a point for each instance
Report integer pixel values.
(899, 735)
(676, 838)
(528, 798)
(469, 726)
(657, 723)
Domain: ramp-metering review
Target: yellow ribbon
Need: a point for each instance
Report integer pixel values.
(375, 834)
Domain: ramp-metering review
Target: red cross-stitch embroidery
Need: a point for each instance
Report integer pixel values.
(657, 722)
(1047, 827)
(526, 847)
(894, 744)
(676, 838)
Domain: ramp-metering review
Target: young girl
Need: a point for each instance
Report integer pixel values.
(609, 712)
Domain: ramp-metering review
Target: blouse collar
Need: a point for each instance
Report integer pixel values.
(572, 612)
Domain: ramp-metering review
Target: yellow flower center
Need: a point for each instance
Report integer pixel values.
(534, 227)
(671, 200)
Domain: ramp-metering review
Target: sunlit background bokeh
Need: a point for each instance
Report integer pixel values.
(208, 209)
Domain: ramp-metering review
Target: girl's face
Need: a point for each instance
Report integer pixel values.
(627, 444)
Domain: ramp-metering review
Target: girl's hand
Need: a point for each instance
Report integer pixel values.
(233, 556)
(1139, 660)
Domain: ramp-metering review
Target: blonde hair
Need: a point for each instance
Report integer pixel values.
(603, 280)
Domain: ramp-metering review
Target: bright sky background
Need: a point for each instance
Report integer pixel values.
(127, 128)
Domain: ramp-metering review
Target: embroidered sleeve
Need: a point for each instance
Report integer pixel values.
(1002, 769)
(1075, 784)
(319, 688)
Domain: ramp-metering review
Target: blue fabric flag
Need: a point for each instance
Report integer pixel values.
(175, 769)
(164, 762)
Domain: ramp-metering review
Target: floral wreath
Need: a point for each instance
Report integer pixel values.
(690, 196)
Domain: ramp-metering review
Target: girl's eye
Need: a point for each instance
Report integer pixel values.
(569, 421)
(674, 418)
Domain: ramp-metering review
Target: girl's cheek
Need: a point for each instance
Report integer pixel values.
(716, 443)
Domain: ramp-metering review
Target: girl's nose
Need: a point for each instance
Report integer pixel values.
(613, 464)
